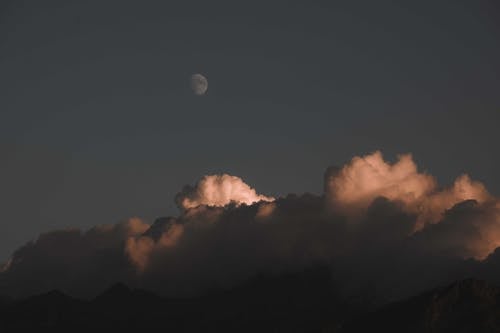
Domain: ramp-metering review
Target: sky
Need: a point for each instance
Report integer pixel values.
(98, 122)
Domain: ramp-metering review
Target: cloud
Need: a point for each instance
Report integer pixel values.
(5, 266)
(467, 230)
(384, 225)
(218, 190)
(365, 178)
(353, 188)
(140, 248)
(69, 260)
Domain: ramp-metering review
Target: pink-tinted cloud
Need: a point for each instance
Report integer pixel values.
(219, 191)
(365, 178)
(351, 189)
(377, 223)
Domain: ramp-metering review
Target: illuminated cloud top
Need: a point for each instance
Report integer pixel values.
(219, 191)
(376, 224)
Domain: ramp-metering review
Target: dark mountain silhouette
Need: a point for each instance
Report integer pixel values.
(465, 306)
(49, 310)
(4, 301)
(296, 302)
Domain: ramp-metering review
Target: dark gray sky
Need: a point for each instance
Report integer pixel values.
(98, 122)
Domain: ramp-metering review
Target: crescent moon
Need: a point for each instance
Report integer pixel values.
(199, 84)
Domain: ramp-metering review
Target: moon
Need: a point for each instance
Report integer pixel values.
(199, 84)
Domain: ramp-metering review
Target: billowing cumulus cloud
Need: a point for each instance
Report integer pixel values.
(467, 230)
(365, 178)
(353, 188)
(379, 225)
(218, 190)
(140, 248)
(75, 261)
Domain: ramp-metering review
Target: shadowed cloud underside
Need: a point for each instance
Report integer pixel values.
(377, 223)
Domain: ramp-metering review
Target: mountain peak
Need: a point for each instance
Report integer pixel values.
(117, 292)
(469, 305)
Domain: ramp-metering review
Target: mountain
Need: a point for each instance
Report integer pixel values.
(50, 310)
(296, 302)
(464, 306)
(4, 301)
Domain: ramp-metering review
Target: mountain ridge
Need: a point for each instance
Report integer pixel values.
(306, 301)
